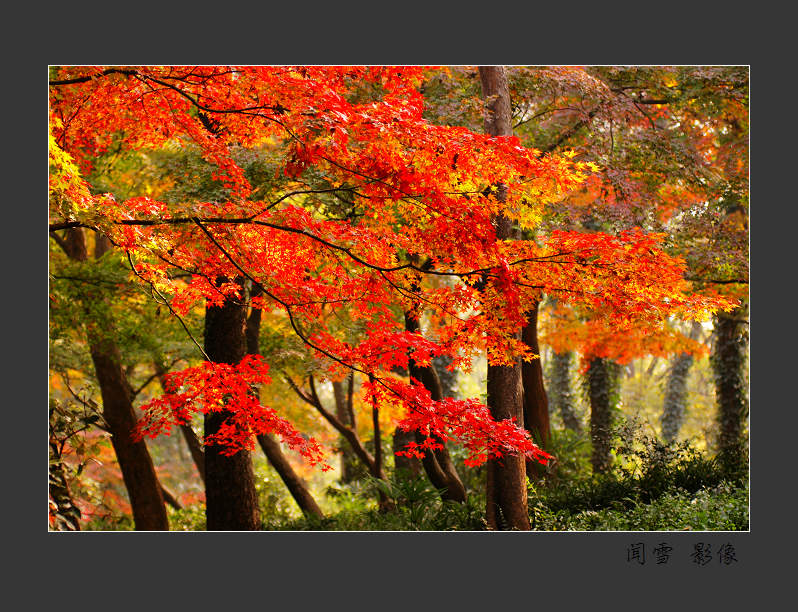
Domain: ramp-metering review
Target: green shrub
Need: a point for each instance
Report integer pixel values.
(723, 507)
(651, 486)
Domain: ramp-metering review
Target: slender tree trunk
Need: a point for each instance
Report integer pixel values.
(293, 482)
(675, 403)
(729, 369)
(344, 410)
(138, 472)
(602, 378)
(271, 448)
(536, 402)
(385, 504)
(562, 399)
(438, 465)
(231, 500)
(506, 490)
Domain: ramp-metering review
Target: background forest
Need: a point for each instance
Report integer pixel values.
(267, 282)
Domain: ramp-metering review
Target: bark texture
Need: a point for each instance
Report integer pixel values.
(231, 500)
(506, 477)
(728, 359)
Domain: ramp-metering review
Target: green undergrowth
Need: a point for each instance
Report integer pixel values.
(409, 504)
(652, 486)
(723, 507)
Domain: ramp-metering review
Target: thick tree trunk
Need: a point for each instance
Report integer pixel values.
(506, 491)
(536, 402)
(438, 465)
(231, 500)
(728, 359)
(271, 448)
(561, 394)
(602, 378)
(675, 403)
(138, 472)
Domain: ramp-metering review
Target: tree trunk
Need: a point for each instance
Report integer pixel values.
(536, 402)
(344, 410)
(729, 369)
(506, 491)
(562, 399)
(271, 448)
(602, 378)
(438, 465)
(675, 403)
(138, 472)
(231, 500)
(293, 482)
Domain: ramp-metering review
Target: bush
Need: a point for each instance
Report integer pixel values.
(651, 486)
(721, 508)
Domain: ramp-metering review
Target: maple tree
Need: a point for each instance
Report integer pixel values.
(367, 189)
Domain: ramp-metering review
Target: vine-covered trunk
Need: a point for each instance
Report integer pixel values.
(230, 497)
(270, 447)
(728, 359)
(603, 393)
(675, 403)
(138, 472)
(560, 391)
(536, 402)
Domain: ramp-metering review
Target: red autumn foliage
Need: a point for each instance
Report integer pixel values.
(416, 192)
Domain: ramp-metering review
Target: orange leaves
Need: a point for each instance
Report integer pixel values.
(565, 328)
